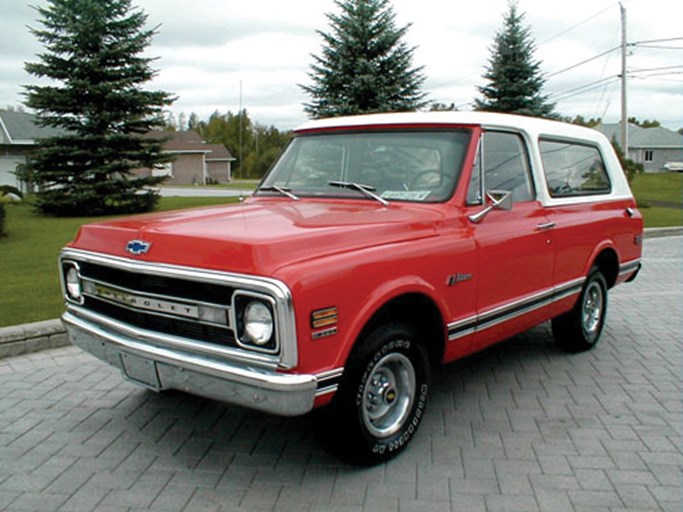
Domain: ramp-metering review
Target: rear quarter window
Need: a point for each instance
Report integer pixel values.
(573, 169)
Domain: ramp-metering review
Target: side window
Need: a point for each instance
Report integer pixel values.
(501, 164)
(573, 169)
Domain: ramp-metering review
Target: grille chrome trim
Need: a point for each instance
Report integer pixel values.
(127, 298)
(280, 293)
(167, 341)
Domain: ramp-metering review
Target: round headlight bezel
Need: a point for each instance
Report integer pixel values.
(251, 312)
(73, 283)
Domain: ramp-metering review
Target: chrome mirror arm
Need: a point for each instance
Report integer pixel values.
(498, 199)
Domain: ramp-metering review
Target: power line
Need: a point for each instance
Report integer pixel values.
(590, 18)
(583, 62)
(667, 40)
(583, 88)
(660, 47)
(643, 70)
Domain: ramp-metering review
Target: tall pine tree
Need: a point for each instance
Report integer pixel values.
(95, 96)
(365, 66)
(514, 78)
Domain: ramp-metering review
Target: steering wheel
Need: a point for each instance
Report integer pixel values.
(426, 180)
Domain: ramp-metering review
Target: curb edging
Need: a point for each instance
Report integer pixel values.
(24, 339)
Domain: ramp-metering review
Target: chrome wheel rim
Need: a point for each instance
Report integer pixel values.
(593, 305)
(388, 395)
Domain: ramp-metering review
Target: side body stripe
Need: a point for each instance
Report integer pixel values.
(514, 309)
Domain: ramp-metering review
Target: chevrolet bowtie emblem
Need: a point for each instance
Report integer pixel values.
(138, 247)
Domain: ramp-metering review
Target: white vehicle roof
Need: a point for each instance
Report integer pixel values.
(532, 128)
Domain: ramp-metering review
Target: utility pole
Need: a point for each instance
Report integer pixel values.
(624, 109)
(240, 134)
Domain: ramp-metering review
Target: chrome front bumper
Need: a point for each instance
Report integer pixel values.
(160, 368)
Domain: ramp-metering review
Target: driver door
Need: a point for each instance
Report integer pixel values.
(514, 247)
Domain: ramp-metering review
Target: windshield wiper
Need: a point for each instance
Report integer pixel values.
(366, 190)
(280, 190)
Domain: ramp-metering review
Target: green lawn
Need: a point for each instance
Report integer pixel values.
(28, 256)
(245, 185)
(660, 198)
(28, 259)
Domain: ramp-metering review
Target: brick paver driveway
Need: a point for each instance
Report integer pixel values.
(520, 427)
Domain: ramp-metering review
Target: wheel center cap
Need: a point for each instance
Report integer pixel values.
(390, 396)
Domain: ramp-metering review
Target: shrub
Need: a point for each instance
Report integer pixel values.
(9, 189)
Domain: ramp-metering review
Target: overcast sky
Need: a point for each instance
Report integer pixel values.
(210, 49)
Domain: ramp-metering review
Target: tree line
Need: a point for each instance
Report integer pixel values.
(95, 66)
(254, 145)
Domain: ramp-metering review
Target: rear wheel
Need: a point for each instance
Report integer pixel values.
(382, 398)
(580, 329)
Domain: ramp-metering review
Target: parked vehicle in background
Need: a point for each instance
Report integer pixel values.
(673, 166)
(376, 248)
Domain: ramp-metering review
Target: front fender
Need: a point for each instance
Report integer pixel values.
(361, 283)
(382, 295)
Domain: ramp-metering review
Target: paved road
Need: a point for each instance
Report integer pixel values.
(202, 192)
(520, 427)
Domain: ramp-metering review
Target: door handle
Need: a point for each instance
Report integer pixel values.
(545, 226)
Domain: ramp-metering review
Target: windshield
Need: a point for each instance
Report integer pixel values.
(415, 165)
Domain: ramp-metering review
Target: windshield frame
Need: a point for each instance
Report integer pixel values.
(453, 141)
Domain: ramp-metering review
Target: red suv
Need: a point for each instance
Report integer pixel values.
(377, 247)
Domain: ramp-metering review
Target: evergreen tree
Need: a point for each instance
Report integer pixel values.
(96, 98)
(258, 144)
(514, 78)
(365, 66)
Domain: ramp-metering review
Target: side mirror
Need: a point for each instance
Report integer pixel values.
(497, 200)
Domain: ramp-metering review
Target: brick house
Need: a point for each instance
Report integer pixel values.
(195, 162)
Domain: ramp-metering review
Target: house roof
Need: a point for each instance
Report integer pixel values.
(639, 137)
(190, 142)
(21, 128)
(218, 152)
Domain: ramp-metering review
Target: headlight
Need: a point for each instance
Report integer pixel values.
(72, 281)
(258, 323)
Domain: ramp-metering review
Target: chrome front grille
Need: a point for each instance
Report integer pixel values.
(180, 308)
(194, 310)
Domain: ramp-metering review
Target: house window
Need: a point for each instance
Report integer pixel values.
(647, 155)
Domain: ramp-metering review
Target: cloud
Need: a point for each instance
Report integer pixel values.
(207, 48)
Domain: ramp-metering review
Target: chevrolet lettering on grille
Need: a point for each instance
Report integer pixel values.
(146, 303)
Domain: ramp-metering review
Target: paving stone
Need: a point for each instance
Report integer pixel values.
(507, 503)
(173, 498)
(38, 502)
(520, 427)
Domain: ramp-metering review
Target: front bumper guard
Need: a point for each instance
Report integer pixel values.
(160, 368)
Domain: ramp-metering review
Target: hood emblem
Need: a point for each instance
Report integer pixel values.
(138, 247)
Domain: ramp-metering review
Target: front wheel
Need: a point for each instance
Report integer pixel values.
(580, 329)
(382, 398)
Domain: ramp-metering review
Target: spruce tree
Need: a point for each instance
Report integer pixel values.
(365, 66)
(95, 97)
(515, 81)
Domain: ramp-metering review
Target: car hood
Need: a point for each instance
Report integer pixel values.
(259, 236)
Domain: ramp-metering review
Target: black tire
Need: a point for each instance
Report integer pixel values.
(580, 329)
(381, 399)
